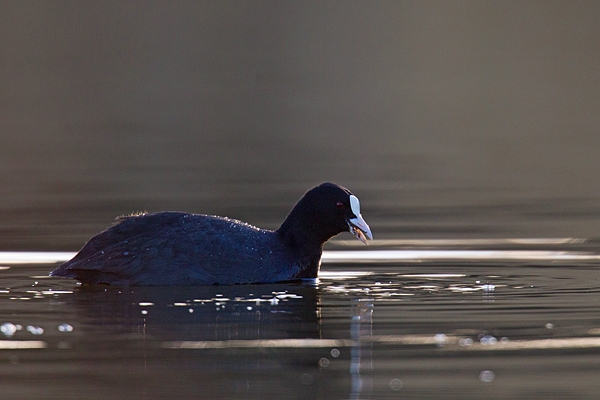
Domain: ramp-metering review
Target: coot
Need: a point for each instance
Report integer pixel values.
(175, 248)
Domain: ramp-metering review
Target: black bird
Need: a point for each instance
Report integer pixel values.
(175, 248)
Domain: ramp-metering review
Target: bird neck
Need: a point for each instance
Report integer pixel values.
(304, 240)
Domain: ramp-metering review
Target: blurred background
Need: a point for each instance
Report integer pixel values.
(446, 118)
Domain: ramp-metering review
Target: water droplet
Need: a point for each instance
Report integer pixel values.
(35, 330)
(488, 339)
(323, 362)
(335, 353)
(488, 287)
(65, 328)
(487, 376)
(8, 329)
(396, 384)
(440, 339)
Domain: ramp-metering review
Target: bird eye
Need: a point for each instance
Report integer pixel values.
(339, 204)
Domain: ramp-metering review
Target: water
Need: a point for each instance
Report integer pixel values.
(466, 293)
(415, 323)
(469, 130)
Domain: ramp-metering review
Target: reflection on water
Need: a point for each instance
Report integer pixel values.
(361, 356)
(433, 329)
(430, 250)
(455, 255)
(33, 257)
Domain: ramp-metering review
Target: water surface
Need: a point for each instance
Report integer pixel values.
(469, 130)
(420, 327)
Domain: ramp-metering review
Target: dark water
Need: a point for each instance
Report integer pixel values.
(465, 322)
(471, 299)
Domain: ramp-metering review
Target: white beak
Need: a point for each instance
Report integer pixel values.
(358, 226)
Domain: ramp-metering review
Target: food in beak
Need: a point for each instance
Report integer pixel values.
(360, 229)
(358, 234)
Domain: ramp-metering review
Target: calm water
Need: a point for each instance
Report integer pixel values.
(464, 294)
(469, 130)
(445, 319)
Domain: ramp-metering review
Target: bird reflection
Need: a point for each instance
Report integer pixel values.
(233, 312)
(140, 323)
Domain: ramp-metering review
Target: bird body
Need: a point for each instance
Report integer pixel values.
(176, 248)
